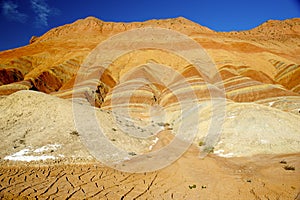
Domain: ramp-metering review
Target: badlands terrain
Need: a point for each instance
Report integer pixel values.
(161, 109)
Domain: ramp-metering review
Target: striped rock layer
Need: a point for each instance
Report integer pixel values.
(254, 65)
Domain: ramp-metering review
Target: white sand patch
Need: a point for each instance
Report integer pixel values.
(154, 143)
(220, 153)
(47, 147)
(23, 155)
(262, 141)
(28, 158)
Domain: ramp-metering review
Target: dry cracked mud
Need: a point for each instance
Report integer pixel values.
(260, 177)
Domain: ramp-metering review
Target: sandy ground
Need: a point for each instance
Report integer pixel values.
(260, 177)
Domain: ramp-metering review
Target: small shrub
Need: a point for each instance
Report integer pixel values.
(192, 186)
(74, 133)
(288, 167)
(201, 143)
(22, 141)
(132, 153)
(283, 162)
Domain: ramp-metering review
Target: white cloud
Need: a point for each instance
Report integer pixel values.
(11, 12)
(42, 11)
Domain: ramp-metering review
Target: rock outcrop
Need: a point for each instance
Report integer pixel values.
(255, 64)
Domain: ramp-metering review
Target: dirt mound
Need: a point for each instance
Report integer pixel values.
(248, 129)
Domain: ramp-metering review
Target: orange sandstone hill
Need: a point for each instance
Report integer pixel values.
(254, 65)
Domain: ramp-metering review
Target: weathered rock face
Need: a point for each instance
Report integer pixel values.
(10, 76)
(254, 65)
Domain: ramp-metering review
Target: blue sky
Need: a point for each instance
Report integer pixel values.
(20, 19)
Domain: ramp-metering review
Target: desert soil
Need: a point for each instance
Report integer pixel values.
(63, 176)
(259, 177)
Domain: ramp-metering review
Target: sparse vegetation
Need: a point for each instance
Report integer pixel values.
(192, 186)
(75, 133)
(201, 143)
(114, 129)
(161, 124)
(22, 141)
(209, 149)
(132, 154)
(288, 167)
(283, 162)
